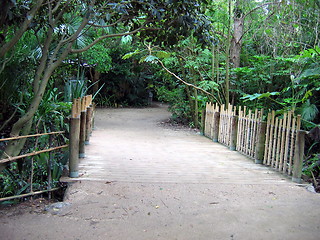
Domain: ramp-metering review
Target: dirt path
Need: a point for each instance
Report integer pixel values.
(142, 180)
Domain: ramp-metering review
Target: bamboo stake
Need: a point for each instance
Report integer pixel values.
(244, 129)
(260, 142)
(274, 146)
(233, 135)
(247, 144)
(240, 130)
(283, 135)
(292, 145)
(286, 148)
(254, 133)
(266, 148)
(271, 137)
(74, 147)
(298, 155)
(278, 144)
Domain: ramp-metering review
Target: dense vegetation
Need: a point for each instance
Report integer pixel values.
(262, 54)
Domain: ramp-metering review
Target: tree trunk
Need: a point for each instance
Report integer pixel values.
(236, 41)
(95, 80)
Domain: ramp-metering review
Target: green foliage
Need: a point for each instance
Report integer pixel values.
(179, 107)
(312, 166)
(98, 56)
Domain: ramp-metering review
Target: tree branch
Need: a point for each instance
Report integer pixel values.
(186, 83)
(106, 26)
(107, 36)
(30, 15)
(260, 6)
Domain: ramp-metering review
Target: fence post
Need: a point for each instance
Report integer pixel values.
(259, 154)
(49, 167)
(92, 117)
(234, 132)
(74, 147)
(88, 124)
(216, 123)
(298, 156)
(82, 134)
(203, 120)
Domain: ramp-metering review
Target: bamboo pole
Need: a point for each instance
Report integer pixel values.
(283, 139)
(28, 136)
(277, 156)
(31, 154)
(216, 127)
(234, 132)
(254, 134)
(74, 147)
(203, 120)
(259, 153)
(298, 156)
(28, 194)
(292, 145)
(82, 134)
(249, 133)
(274, 145)
(88, 124)
(266, 147)
(271, 131)
(239, 130)
(49, 166)
(286, 148)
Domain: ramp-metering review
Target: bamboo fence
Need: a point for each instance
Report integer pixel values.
(211, 110)
(278, 143)
(281, 136)
(225, 126)
(248, 129)
(50, 148)
(81, 123)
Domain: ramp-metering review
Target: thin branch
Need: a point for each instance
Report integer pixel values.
(106, 26)
(4, 65)
(30, 15)
(107, 36)
(186, 83)
(260, 6)
(9, 119)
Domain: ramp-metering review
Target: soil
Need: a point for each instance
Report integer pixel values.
(144, 178)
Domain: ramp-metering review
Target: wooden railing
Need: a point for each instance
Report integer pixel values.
(81, 123)
(249, 132)
(278, 143)
(281, 141)
(49, 149)
(227, 126)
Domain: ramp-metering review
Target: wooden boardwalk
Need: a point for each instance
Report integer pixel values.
(131, 145)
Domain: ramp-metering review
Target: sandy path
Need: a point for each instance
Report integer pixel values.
(143, 182)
